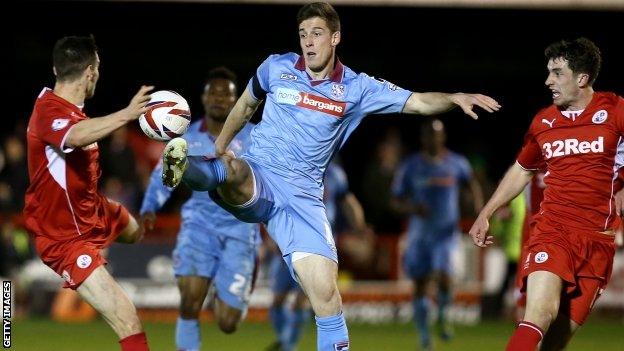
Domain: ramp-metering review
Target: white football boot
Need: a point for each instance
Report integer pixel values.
(174, 162)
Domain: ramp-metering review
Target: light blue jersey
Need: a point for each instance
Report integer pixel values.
(435, 185)
(304, 123)
(211, 243)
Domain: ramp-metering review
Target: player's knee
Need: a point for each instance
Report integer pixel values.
(420, 287)
(326, 301)
(543, 313)
(238, 170)
(228, 323)
(227, 326)
(278, 300)
(127, 325)
(190, 307)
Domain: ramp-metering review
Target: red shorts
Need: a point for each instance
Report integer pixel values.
(75, 259)
(583, 259)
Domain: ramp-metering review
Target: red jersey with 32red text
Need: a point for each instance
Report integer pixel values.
(62, 201)
(581, 155)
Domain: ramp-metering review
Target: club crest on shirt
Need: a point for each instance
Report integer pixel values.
(541, 257)
(600, 116)
(338, 90)
(84, 261)
(59, 124)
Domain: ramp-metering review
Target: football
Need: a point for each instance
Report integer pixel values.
(168, 116)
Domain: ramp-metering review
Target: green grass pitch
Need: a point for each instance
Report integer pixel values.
(45, 335)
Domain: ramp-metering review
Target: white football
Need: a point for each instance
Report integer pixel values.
(168, 116)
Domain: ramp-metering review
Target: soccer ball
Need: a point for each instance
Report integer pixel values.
(168, 116)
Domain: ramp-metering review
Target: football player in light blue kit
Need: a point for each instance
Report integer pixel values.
(212, 246)
(289, 322)
(427, 187)
(312, 104)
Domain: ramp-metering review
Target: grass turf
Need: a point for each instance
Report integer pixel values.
(45, 335)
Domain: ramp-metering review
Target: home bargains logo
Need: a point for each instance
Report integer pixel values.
(309, 101)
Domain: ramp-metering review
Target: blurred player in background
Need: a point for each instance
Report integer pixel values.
(69, 219)
(212, 245)
(313, 103)
(571, 248)
(427, 188)
(507, 225)
(289, 322)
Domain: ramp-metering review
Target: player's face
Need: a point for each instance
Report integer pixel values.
(219, 97)
(93, 74)
(317, 43)
(563, 83)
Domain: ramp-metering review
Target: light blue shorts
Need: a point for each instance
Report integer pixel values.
(229, 262)
(425, 256)
(295, 220)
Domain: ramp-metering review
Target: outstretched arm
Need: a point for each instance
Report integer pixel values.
(236, 120)
(91, 130)
(436, 103)
(512, 184)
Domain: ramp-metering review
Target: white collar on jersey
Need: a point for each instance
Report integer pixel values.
(572, 114)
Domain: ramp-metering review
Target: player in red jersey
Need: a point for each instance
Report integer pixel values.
(570, 252)
(70, 221)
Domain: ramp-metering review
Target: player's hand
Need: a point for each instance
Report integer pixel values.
(468, 101)
(619, 203)
(479, 232)
(136, 107)
(147, 220)
(222, 150)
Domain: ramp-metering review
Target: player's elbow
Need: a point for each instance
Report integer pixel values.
(75, 139)
(416, 106)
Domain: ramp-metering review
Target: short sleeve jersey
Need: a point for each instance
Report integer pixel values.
(305, 122)
(62, 201)
(582, 161)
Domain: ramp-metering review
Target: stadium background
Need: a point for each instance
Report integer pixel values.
(496, 51)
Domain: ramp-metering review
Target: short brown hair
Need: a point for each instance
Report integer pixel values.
(582, 54)
(72, 55)
(322, 10)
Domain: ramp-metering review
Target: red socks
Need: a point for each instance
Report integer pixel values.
(525, 338)
(136, 342)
